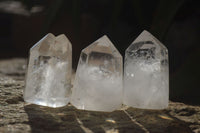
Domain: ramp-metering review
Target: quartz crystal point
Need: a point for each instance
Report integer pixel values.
(49, 72)
(98, 81)
(146, 73)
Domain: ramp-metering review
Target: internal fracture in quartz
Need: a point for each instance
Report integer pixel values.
(98, 80)
(146, 73)
(48, 79)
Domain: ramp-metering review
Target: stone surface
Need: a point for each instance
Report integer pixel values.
(17, 116)
(49, 72)
(146, 73)
(98, 80)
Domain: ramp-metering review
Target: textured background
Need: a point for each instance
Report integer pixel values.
(176, 23)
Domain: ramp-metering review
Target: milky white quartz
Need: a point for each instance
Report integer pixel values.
(98, 80)
(48, 79)
(146, 73)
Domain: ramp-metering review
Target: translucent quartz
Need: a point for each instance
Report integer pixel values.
(146, 73)
(98, 80)
(48, 79)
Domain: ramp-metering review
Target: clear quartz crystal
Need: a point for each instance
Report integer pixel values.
(98, 81)
(146, 73)
(48, 78)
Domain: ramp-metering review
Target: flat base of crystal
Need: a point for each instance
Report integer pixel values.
(154, 107)
(53, 102)
(95, 106)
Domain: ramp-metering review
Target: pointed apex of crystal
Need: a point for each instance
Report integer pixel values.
(104, 41)
(103, 44)
(50, 34)
(145, 32)
(146, 38)
(62, 37)
(63, 43)
(46, 39)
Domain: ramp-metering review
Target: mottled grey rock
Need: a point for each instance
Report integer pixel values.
(17, 116)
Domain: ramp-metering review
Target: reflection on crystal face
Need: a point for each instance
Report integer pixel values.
(98, 81)
(49, 72)
(146, 74)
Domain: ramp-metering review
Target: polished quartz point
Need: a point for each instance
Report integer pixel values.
(98, 80)
(146, 73)
(48, 79)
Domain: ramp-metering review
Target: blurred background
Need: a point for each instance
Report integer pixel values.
(176, 23)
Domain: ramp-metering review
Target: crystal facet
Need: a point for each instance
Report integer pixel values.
(98, 80)
(146, 73)
(48, 79)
